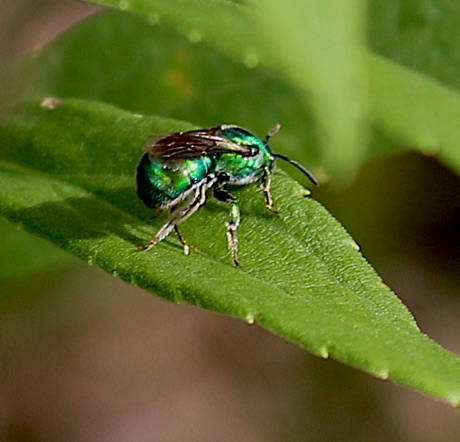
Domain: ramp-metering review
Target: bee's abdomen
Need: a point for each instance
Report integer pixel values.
(162, 183)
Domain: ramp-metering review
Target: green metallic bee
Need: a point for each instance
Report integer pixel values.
(177, 171)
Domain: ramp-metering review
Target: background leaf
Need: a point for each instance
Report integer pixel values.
(154, 70)
(393, 91)
(328, 67)
(66, 174)
(421, 35)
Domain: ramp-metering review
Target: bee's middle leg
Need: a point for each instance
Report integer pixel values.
(232, 223)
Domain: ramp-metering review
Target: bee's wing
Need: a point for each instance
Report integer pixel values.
(193, 144)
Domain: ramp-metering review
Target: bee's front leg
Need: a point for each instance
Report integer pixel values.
(266, 183)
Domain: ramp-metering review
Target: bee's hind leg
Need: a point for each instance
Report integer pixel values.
(180, 213)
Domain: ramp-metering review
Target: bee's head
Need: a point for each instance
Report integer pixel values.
(242, 137)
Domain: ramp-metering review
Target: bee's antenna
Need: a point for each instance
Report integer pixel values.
(273, 131)
(296, 164)
(299, 166)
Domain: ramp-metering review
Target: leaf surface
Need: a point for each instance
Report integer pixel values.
(66, 174)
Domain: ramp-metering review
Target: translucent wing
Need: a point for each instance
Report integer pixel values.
(193, 144)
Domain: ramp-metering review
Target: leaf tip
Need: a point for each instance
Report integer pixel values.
(354, 245)
(454, 399)
(250, 318)
(382, 373)
(323, 352)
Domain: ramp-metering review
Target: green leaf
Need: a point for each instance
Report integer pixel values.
(66, 173)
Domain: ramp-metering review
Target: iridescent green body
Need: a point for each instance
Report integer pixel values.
(179, 169)
(160, 183)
